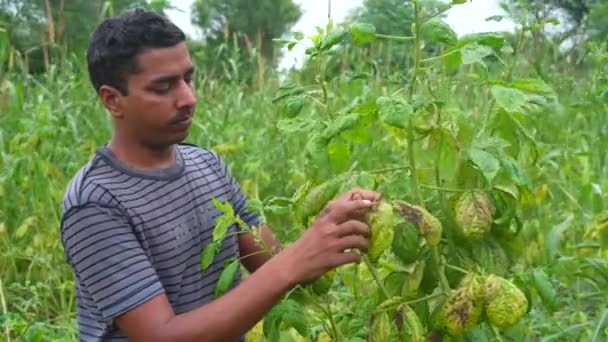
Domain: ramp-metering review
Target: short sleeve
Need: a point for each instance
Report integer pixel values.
(107, 259)
(237, 198)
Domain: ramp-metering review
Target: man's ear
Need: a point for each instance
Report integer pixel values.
(112, 100)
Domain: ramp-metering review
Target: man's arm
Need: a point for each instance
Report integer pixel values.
(224, 319)
(319, 250)
(255, 255)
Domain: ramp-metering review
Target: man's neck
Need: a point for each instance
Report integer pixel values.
(142, 157)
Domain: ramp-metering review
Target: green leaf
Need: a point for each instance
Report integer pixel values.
(452, 61)
(293, 106)
(474, 53)
(288, 90)
(459, 2)
(493, 40)
(361, 133)
(208, 255)
(545, 289)
(331, 39)
(515, 171)
(511, 100)
(295, 317)
(221, 227)
(226, 278)
(552, 242)
(437, 31)
(339, 155)
(295, 125)
(340, 124)
(363, 33)
(486, 162)
(394, 112)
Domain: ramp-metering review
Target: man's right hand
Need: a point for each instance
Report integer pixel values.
(329, 242)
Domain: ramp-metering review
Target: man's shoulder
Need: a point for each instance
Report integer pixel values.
(202, 155)
(79, 189)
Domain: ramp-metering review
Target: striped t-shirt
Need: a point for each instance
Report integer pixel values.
(130, 235)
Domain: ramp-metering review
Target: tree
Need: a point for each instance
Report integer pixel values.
(252, 21)
(579, 16)
(45, 31)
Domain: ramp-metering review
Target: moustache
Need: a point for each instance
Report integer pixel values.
(181, 116)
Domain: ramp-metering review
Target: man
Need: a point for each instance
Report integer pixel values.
(138, 215)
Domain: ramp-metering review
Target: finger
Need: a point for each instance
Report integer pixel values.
(359, 193)
(352, 242)
(353, 227)
(345, 258)
(343, 211)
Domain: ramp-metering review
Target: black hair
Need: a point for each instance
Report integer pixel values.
(116, 42)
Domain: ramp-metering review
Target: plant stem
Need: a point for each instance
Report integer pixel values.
(391, 37)
(430, 59)
(417, 48)
(372, 270)
(412, 161)
(457, 269)
(7, 330)
(327, 311)
(410, 128)
(425, 298)
(440, 188)
(443, 280)
(390, 169)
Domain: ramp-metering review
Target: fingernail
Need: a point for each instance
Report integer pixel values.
(367, 202)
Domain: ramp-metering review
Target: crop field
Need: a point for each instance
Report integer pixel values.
(490, 152)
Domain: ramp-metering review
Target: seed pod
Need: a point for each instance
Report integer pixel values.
(382, 327)
(464, 307)
(428, 225)
(382, 222)
(474, 211)
(316, 199)
(409, 325)
(505, 303)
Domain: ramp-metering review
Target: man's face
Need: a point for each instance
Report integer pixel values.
(160, 103)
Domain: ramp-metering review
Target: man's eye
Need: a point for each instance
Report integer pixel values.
(162, 89)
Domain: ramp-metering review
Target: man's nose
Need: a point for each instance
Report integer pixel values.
(186, 95)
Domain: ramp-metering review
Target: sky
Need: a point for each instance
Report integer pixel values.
(466, 18)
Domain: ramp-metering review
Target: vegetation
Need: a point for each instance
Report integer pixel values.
(488, 149)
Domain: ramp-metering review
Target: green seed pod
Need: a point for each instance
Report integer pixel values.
(464, 307)
(410, 329)
(428, 225)
(505, 303)
(382, 222)
(474, 212)
(316, 199)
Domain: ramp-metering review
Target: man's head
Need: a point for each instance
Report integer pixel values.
(141, 69)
